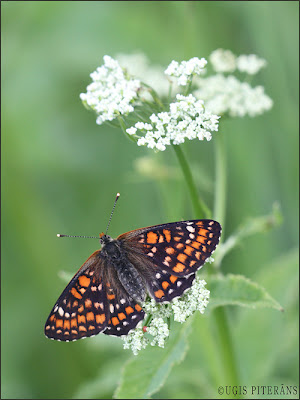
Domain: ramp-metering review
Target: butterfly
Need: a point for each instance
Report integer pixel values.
(106, 293)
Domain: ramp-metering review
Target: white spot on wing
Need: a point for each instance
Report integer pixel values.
(190, 228)
(61, 311)
(158, 275)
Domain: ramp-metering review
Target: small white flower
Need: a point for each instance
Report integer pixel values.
(223, 60)
(250, 64)
(111, 93)
(186, 69)
(135, 340)
(158, 328)
(131, 131)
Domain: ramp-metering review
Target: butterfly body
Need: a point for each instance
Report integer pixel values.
(116, 257)
(107, 292)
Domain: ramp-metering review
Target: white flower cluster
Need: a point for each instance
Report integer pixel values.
(186, 69)
(138, 65)
(156, 333)
(229, 95)
(115, 92)
(226, 61)
(250, 64)
(187, 119)
(223, 60)
(111, 93)
(195, 299)
(135, 340)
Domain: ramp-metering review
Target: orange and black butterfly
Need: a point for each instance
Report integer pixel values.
(106, 293)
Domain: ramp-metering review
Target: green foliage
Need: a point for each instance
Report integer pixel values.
(240, 291)
(144, 374)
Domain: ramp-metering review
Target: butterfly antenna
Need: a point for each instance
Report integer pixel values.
(76, 236)
(117, 196)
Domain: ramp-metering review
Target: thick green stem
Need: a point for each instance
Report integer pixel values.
(219, 316)
(220, 188)
(200, 209)
(226, 348)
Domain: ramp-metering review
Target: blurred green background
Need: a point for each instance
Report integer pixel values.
(60, 173)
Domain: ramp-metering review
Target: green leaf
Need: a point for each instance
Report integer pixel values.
(238, 290)
(144, 374)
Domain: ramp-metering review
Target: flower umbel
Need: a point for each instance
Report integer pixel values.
(112, 92)
(157, 331)
(187, 119)
(229, 95)
(223, 60)
(250, 64)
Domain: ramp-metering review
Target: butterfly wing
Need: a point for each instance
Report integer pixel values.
(82, 308)
(125, 313)
(165, 287)
(178, 248)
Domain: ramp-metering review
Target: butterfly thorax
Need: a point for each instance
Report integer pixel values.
(128, 275)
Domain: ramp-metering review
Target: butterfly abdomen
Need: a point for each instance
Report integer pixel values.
(129, 277)
(131, 280)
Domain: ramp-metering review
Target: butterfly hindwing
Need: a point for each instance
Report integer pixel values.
(165, 287)
(124, 313)
(180, 248)
(81, 310)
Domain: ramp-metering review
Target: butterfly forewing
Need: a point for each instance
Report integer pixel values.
(179, 248)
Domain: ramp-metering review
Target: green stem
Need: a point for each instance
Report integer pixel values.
(220, 188)
(225, 343)
(200, 209)
(219, 316)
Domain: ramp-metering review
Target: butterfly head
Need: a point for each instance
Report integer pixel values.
(105, 239)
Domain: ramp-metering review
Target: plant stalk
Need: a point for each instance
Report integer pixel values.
(221, 180)
(200, 209)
